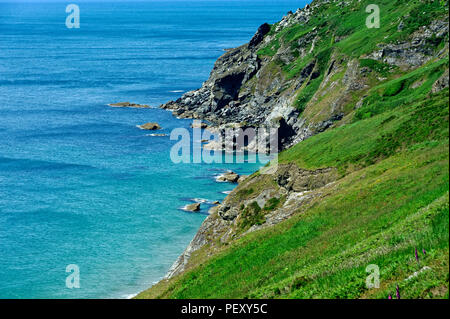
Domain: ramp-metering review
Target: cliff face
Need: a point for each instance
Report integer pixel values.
(363, 116)
(295, 75)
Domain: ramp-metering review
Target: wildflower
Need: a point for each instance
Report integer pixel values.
(389, 297)
(397, 292)
(417, 255)
(424, 251)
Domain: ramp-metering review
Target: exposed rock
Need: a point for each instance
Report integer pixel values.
(198, 124)
(242, 178)
(213, 146)
(415, 51)
(247, 90)
(230, 177)
(213, 210)
(441, 83)
(193, 207)
(259, 36)
(150, 126)
(228, 213)
(296, 179)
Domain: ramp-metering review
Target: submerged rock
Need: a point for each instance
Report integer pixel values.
(157, 135)
(128, 104)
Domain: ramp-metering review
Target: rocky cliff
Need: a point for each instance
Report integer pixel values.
(295, 75)
(346, 99)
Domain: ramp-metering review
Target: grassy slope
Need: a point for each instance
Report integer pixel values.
(392, 198)
(334, 22)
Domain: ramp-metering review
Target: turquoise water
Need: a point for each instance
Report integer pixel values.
(79, 183)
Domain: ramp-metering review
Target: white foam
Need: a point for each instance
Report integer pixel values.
(200, 200)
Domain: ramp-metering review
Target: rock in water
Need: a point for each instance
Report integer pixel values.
(229, 177)
(128, 104)
(199, 125)
(193, 207)
(150, 126)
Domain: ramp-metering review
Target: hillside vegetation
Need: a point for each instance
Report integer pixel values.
(370, 188)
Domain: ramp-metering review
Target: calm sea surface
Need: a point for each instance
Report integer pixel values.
(79, 183)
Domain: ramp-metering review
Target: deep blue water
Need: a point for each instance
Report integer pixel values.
(79, 183)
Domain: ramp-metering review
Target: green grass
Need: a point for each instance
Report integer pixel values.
(400, 91)
(377, 215)
(251, 215)
(365, 141)
(379, 67)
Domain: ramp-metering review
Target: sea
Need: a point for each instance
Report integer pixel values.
(90, 205)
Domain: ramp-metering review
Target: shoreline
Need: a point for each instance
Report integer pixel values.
(201, 201)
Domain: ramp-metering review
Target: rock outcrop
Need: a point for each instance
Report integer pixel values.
(263, 83)
(192, 207)
(230, 177)
(254, 86)
(150, 126)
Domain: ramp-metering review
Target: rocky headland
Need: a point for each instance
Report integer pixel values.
(306, 76)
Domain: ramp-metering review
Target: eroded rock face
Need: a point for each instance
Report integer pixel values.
(259, 36)
(415, 51)
(295, 179)
(441, 83)
(198, 124)
(252, 89)
(247, 90)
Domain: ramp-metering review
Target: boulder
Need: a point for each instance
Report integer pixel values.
(193, 207)
(229, 177)
(150, 126)
(228, 213)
